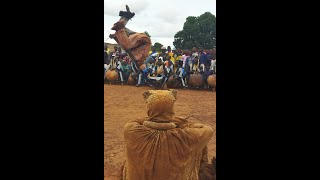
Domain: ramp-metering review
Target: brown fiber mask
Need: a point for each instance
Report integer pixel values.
(160, 104)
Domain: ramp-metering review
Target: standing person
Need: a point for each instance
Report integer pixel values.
(189, 58)
(113, 61)
(210, 55)
(151, 74)
(124, 58)
(203, 59)
(126, 70)
(213, 66)
(186, 67)
(209, 58)
(170, 53)
(108, 50)
(174, 54)
(184, 58)
(145, 73)
(180, 52)
(106, 62)
(186, 74)
(129, 61)
(194, 52)
(152, 69)
(205, 73)
(136, 73)
(159, 67)
(167, 72)
(169, 63)
(163, 53)
(179, 73)
(195, 65)
(152, 56)
(114, 53)
(119, 69)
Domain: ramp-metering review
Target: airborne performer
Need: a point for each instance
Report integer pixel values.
(136, 45)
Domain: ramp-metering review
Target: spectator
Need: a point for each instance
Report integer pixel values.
(106, 62)
(163, 53)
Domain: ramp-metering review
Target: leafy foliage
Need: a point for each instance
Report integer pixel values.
(197, 32)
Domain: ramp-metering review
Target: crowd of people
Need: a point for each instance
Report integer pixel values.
(159, 66)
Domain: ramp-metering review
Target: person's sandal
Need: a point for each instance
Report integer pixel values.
(127, 15)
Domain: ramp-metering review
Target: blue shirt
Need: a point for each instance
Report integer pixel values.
(204, 58)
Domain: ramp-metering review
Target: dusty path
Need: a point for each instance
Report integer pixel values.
(123, 103)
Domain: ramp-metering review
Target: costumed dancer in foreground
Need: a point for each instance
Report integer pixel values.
(165, 147)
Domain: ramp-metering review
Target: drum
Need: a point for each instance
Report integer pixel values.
(112, 75)
(131, 80)
(212, 81)
(173, 82)
(196, 80)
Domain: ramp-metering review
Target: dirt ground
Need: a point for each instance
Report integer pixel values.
(124, 103)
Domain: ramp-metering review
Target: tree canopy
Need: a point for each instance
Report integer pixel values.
(197, 32)
(157, 46)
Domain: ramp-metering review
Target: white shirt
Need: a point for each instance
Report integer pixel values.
(119, 65)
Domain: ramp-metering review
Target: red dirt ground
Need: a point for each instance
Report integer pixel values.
(123, 103)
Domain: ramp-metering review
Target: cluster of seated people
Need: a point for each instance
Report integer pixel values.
(159, 67)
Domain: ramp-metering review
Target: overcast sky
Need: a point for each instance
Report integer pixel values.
(162, 19)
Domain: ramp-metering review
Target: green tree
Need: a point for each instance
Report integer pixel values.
(197, 32)
(157, 46)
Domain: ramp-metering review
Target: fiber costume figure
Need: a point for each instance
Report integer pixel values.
(136, 45)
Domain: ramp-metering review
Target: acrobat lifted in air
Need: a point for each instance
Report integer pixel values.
(136, 45)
